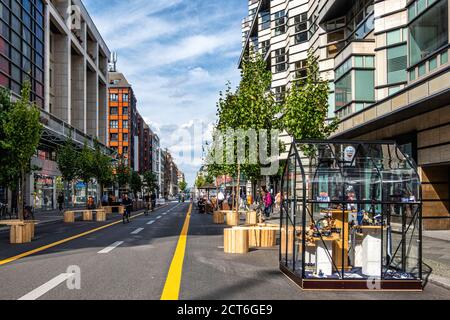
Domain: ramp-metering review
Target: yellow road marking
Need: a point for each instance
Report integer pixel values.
(29, 253)
(173, 281)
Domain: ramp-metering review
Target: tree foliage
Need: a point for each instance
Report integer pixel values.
(182, 186)
(122, 173)
(102, 167)
(135, 183)
(306, 106)
(151, 181)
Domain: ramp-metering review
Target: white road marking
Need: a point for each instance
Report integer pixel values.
(137, 231)
(159, 217)
(151, 222)
(111, 247)
(46, 287)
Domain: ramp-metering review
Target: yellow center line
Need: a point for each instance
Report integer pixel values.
(40, 249)
(173, 282)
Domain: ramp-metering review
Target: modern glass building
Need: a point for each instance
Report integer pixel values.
(22, 46)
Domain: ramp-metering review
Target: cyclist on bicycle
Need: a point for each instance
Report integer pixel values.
(128, 204)
(153, 198)
(147, 204)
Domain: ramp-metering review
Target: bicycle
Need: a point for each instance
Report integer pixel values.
(147, 209)
(126, 215)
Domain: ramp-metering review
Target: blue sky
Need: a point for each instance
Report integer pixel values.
(178, 55)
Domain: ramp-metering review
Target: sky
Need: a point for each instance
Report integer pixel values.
(178, 55)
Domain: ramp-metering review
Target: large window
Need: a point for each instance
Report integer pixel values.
(344, 90)
(265, 20)
(280, 22)
(364, 85)
(428, 32)
(114, 124)
(280, 60)
(396, 64)
(301, 28)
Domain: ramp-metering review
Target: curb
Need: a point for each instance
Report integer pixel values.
(440, 281)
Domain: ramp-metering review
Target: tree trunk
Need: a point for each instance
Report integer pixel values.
(238, 188)
(87, 194)
(232, 194)
(21, 195)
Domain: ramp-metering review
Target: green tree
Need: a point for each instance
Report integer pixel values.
(306, 106)
(122, 174)
(86, 166)
(102, 168)
(251, 107)
(151, 181)
(200, 182)
(22, 133)
(183, 186)
(68, 164)
(135, 183)
(9, 175)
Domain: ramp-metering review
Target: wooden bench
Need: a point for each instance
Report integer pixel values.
(21, 231)
(109, 209)
(88, 215)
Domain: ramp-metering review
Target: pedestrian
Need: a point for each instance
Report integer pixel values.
(105, 200)
(153, 199)
(147, 204)
(220, 198)
(268, 204)
(61, 202)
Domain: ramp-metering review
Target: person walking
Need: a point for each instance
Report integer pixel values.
(153, 199)
(268, 202)
(61, 203)
(147, 204)
(220, 198)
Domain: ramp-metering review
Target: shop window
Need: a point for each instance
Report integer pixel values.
(428, 32)
(396, 64)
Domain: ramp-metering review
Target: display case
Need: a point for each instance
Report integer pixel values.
(351, 217)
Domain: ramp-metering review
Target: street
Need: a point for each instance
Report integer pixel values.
(132, 262)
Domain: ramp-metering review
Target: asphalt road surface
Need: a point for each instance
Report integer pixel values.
(148, 257)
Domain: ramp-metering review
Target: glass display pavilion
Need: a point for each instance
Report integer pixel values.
(351, 217)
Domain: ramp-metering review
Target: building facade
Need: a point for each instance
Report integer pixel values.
(55, 46)
(388, 72)
(121, 118)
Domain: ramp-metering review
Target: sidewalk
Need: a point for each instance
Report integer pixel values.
(436, 257)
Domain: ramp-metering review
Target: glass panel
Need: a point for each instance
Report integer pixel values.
(364, 85)
(344, 90)
(429, 32)
(396, 64)
(393, 37)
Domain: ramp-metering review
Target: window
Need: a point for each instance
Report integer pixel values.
(265, 20)
(114, 111)
(280, 93)
(300, 69)
(125, 149)
(125, 137)
(265, 46)
(301, 28)
(364, 85)
(280, 60)
(280, 22)
(125, 111)
(114, 124)
(393, 37)
(396, 64)
(428, 32)
(125, 124)
(344, 90)
(125, 97)
(114, 97)
(114, 137)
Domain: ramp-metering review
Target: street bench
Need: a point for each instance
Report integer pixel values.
(110, 209)
(20, 231)
(88, 215)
